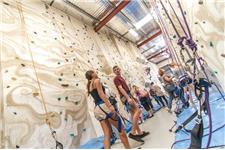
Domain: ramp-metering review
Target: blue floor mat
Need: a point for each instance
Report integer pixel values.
(96, 143)
(217, 105)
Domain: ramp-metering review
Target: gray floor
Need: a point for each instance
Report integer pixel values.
(158, 126)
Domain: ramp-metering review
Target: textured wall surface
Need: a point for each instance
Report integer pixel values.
(61, 48)
(206, 22)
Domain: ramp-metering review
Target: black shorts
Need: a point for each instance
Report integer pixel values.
(144, 103)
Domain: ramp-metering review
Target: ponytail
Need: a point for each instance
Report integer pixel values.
(88, 86)
(88, 76)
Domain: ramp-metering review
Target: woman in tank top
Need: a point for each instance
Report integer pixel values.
(104, 111)
(171, 88)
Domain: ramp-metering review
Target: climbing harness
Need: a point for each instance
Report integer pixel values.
(53, 133)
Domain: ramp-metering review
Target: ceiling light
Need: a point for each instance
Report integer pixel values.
(143, 21)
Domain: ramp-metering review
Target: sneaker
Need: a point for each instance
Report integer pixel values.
(135, 137)
(144, 134)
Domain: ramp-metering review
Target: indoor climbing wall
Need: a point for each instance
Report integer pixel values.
(206, 21)
(44, 56)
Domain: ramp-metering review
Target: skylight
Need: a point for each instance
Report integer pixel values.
(134, 33)
(143, 21)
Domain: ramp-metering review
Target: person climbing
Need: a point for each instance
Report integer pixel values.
(143, 97)
(131, 105)
(171, 88)
(159, 93)
(104, 111)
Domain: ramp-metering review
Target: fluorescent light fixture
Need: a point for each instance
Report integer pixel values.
(133, 32)
(143, 21)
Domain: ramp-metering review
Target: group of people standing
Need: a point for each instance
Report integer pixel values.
(132, 98)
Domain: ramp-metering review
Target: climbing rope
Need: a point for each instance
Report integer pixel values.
(193, 46)
(53, 133)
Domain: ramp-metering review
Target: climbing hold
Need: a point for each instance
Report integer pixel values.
(76, 103)
(60, 113)
(66, 98)
(62, 16)
(223, 55)
(200, 2)
(13, 78)
(71, 134)
(32, 41)
(65, 119)
(35, 32)
(196, 40)
(61, 74)
(8, 86)
(84, 129)
(185, 12)
(64, 85)
(60, 79)
(203, 22)
(196, 22)
(59, 99)
(74, 74)
(211, 44)
(15, 113)
(6, 71)
(55, 38)
(35, 94)
(17, 146)
(64, 53)
(58, 63)
(5, 3)
(77, 84)
(22, 65)
(66, 60)
(216, 72)
(88, 61)
(174, 36)
(202, 46)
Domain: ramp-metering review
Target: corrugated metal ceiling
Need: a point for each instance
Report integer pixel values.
(136, 21)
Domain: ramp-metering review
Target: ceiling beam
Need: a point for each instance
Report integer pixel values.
(154, 55)
(149, 39)
(144, 51)
(111, 15)
(158, 62)
(117, 34)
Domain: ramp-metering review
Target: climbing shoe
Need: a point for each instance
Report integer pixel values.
(143, 134)
(135, 137)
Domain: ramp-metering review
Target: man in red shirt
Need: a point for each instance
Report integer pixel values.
(130, 103)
